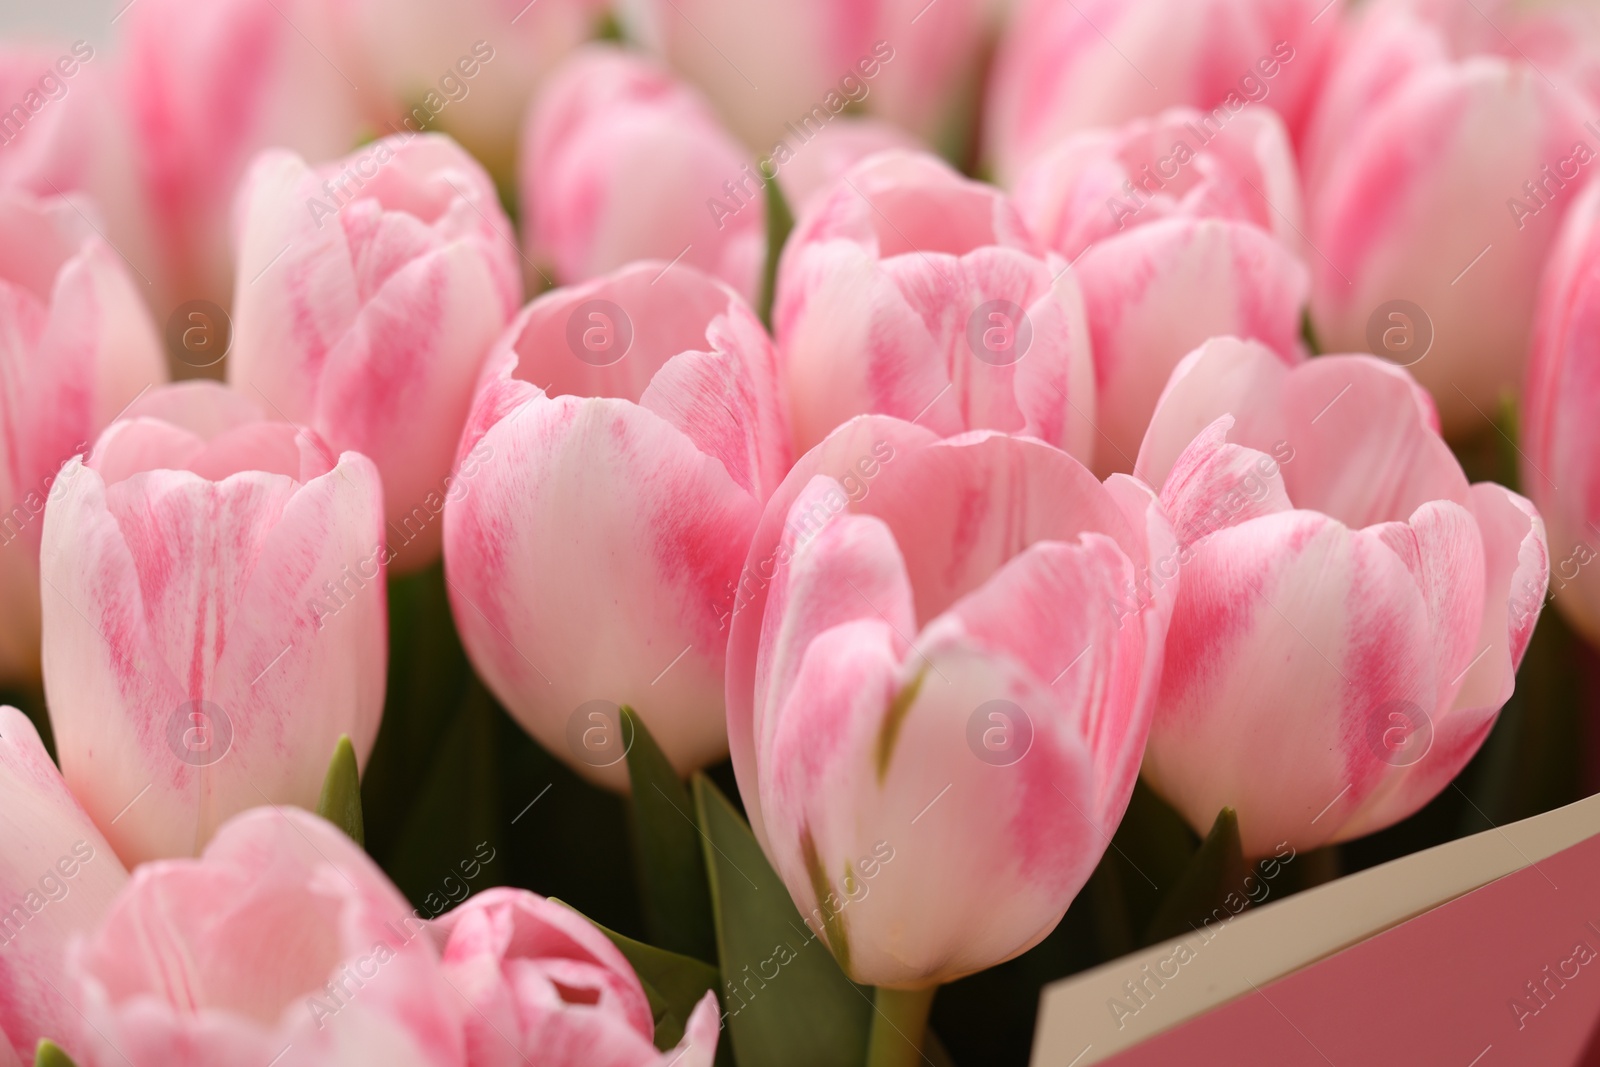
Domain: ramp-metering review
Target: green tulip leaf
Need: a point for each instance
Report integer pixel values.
(779, 222)
(677, 896)
(1214, 880)
(340, 802)
(49, 1054)
(787, 1002)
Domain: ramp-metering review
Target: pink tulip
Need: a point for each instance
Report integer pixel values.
(544, 986)
(621, 162)
(379, 283)
(1180, 228)
(206, 86)
(50, 98)
(1436, 181)
(468, 67)
(781, 71)
(938, 690)
(908, 290)
(76, 346)
(1561, 38)
(839, 147)
(214, 616)
(58, 878)
(1560, 446)
(1350, 613)
(1065, 67)
(281, 944)
(624, 437)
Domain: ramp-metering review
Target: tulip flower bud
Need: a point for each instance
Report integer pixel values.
(1350, 612)
(1436, 183)
(77, 346)
(624, 437)
(57, 879)
(282, 943)
(621, 162)
(1180, 228)
(379, 283)
(467, 68)
(781, 71)
(908, 290)
(1560, 446)
(839, 147)
(214, 616)
(1062, 68)
(545, 986)
(207, 86)
(939, 688)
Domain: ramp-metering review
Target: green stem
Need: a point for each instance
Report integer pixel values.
(898, 1026)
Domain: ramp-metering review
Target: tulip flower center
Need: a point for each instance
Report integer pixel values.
(610, 340)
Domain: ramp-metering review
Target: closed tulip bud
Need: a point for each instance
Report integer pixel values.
(624, 437)
(1436, 182)
(77, 346)
(1560, 38)
(379, 283)
(467, 68)
(940, 680)
(208, 85)
(908, 290)
(1560, 439)
(214, 616)
(839, 148)
(543, 985)
(282, 943)
(57, 880)
(1062, 68)
(780, 72)
(621, 162)
(1350, 613)
(1180, 228)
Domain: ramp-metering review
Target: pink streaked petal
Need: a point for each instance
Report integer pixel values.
(728, 402)
(1162, 289)
(829, 568)
(964, 506)
(911, 791)
(664, 311)
(1364, 450)
(1215, 484)
(1287, 619)
(590, 503)
(898, 203)
(862, 445)
(1224, 376)
(853, 343)
(1444, 551)
(58, 878)
(1064, 612)
(174, 590)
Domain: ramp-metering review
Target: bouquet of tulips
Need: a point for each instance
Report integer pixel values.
(762, 532)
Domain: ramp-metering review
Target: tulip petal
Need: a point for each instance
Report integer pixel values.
(59, 876)
(1028, 824)
(173, 595)
(1164, 288)
(1272, 614)
(603, 508)
(1216, 484)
